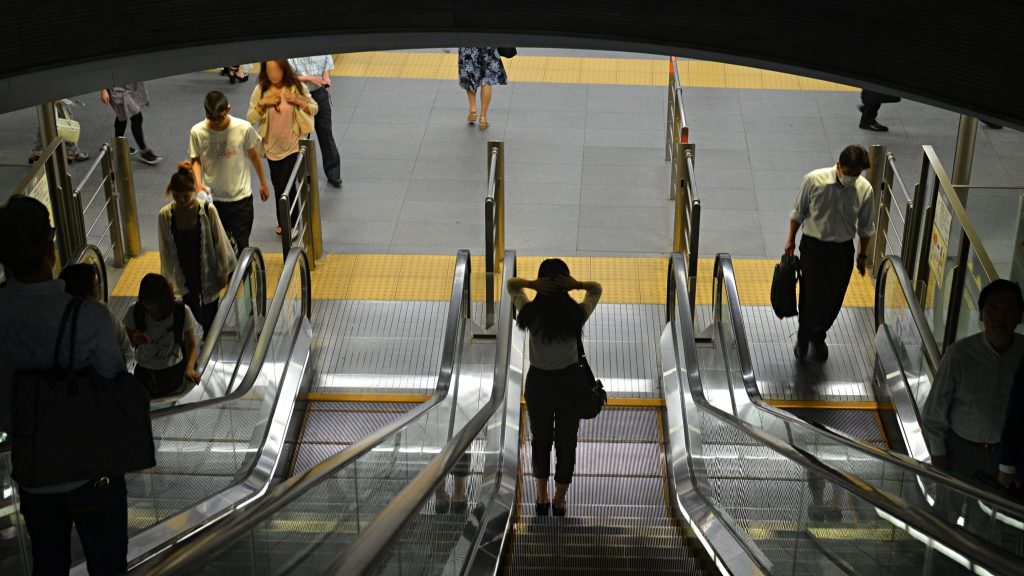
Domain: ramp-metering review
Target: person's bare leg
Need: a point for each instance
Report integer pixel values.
(560, 491)
(485, 101)
(542, 491)
(472, 105)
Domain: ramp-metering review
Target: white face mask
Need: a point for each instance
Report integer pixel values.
(847, 180)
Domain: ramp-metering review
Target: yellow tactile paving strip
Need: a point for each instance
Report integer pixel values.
(429, 277)
(574, 70)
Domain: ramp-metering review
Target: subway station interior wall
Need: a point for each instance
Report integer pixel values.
(962, 56)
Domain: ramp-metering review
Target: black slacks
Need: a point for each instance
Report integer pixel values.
(98, 510)
(871, 102)
(551, 406)
(237, 217)
(204, 313)
(825, 269)
(329, 153)
(280, 171)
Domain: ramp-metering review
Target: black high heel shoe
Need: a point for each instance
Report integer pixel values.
(558, 510)
(543, 508)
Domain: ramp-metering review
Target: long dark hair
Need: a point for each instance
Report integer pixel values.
(288, 79)
(555, 315)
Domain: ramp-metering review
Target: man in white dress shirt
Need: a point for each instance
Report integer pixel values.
(834, 205)
(964, 414)
(315, 71)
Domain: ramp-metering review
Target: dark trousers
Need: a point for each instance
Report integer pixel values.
(280, 171)
(551, 406)
(162, 382)
(237, 217)
(329, 153)
(871, 103)
(825, 269)
(98, 510)
(121, 125)
(204, 312)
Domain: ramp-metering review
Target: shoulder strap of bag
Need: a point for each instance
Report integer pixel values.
(60, 333)
(579, 346)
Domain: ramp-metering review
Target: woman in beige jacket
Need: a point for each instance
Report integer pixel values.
(195, 253)
(283, 111)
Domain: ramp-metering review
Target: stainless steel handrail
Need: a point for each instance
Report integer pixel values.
(494, 223)
(894, 264)
(724, 273)
(361, 553)
(967, 545)
(237, 525)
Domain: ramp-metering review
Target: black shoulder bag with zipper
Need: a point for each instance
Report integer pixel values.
(590, 394)
(72, 425)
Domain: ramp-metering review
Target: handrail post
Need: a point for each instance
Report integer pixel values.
(879, 161)
(314, 231)
(126, 194)
(494, 225)
(670, 109)
(113, 208)
(284, 216)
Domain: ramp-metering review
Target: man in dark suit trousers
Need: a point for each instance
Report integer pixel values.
(1011, 446)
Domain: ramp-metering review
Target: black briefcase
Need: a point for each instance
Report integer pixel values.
(74, 425)
(784, 281)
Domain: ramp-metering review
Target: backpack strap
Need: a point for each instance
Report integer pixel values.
(179, 325)
(71, 308)
(139, 316)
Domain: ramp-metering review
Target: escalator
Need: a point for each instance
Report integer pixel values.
(730, 382)
(303, 520)
(703, 492)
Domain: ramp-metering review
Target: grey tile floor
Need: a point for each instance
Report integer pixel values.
(584, 164)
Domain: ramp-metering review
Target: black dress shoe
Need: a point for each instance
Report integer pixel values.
(821, 351)
(558, 510)
(800, 350)
(543, 508)
(335, 183)
(873, 126)
(459, 507)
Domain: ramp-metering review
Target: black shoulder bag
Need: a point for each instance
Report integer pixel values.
(74, 425)
(590, 394)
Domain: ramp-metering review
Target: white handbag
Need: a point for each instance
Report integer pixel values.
(68, 130)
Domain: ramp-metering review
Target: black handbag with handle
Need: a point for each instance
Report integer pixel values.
(72, 425)
(590, 394)
(784, 281)
(507, 52)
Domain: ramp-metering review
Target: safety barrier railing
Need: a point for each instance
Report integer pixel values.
(102, 221)
(369, 472)
(947, 282)
(494, 223)
(298, 208)
(773, 447)
(679, 151)
(898, 222)
(403, 533)
(48, 181)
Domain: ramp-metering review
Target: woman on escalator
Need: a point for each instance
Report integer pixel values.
(195, 253)
(555, 322)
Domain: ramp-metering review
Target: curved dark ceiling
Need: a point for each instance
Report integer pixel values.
(967, 58)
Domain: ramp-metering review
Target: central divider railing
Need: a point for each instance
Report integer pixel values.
(899, 215)
(796, 456)
(486, 435)
(298, 208)
(340, 495)
(679, 151)
(494, 222)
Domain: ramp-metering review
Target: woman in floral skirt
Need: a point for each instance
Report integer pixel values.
(479, 69)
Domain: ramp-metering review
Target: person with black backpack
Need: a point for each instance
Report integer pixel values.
(163, 332)
(195, 253)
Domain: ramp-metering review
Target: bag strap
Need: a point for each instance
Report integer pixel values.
(70, 315)
(579, 345)
(139, 316)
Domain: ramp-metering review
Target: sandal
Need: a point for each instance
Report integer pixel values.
(471, 117)
(484, 123)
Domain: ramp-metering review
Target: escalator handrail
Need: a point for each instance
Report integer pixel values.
(724, 272)
(895, 265)
(968, 545)
(361, 553)
(245, 520)
(251, 259)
